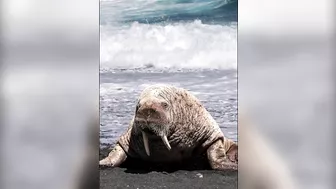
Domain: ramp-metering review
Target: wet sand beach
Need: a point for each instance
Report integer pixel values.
(191, 174)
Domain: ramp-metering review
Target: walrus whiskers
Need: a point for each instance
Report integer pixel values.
(145, 140)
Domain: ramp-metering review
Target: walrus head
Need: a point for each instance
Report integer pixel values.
(152, 116)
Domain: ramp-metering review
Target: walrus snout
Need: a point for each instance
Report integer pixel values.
(152, 113)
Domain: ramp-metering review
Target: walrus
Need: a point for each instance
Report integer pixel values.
(171, 125)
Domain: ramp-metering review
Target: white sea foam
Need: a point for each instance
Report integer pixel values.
(192, 45)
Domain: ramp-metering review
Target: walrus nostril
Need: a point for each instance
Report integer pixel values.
(151, 113)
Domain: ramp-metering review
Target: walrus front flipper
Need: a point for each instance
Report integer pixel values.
(232, 153)
(116, 157)
(221, 159)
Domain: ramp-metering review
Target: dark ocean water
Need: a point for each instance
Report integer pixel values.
(149, 12)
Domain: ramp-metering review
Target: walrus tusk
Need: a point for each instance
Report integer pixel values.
(165, 141)
(145, 140)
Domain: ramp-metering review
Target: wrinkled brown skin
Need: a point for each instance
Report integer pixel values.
(192, 131)
(221, 161)
(115, 158)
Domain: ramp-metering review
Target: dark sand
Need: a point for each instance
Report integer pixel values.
(192, 174)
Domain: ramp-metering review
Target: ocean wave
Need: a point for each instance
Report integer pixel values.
(190, 45)
(153, 11)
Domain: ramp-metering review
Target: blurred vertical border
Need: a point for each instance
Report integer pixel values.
(50, 93)
(286, 89)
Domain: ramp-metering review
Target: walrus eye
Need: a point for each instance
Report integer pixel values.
(165, 104)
